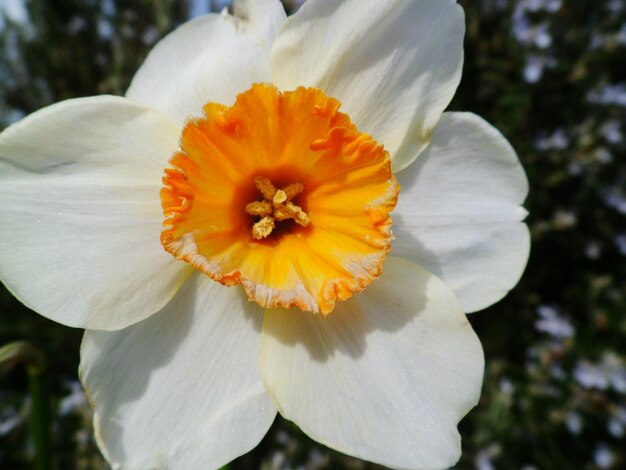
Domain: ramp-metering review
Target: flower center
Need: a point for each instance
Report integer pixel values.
(281, 194)
(276, 207)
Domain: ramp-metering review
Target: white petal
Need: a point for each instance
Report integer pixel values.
(182, 388)
(209, 59)
(394, 64)
(81, 213)
(385, 377)
(459, 213)
(262, 18)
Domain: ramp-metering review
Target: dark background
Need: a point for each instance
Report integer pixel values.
(551, 75)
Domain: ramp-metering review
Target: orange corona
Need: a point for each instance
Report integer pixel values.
(282, 194)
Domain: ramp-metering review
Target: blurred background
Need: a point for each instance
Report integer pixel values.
(551, 75)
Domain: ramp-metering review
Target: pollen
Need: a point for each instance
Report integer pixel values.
(276, 207)
(281, 194)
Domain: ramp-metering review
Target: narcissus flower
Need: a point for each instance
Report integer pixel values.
(278, 216)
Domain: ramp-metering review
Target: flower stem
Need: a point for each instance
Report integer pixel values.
(36, 365)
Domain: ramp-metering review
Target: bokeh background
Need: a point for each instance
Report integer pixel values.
(551, 75)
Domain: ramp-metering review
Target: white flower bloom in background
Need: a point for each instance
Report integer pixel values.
(9, 420)
(552, 323)
(603, 456)
(268, 152)
(76, 399)
(591, 375)
(574, 422)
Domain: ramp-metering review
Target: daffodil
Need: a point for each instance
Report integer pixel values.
(278, 216)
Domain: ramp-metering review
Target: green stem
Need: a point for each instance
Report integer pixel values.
(35, 362)
(40, 417)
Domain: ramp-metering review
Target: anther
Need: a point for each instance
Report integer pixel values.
(265, 186)
(277, 206)
(260, 208)
(263, 228)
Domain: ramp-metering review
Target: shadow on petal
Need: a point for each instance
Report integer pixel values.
(390, 303)
(120, 369)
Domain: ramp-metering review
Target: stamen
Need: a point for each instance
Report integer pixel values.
(291, 211)
(260, 208)
(277, 206)
(279, 197)
(263, 228)
(293, 190)
(265, 186)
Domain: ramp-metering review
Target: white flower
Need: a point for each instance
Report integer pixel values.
(603, 456)
(574, 422)
(191, 374)
(610, 372)
(552, 323)
(615, 427)
(591, 375)
(74, 401)
(9, 420)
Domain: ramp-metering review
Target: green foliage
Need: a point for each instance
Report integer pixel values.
(551, 76)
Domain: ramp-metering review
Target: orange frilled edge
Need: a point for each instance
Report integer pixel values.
(290, 137)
